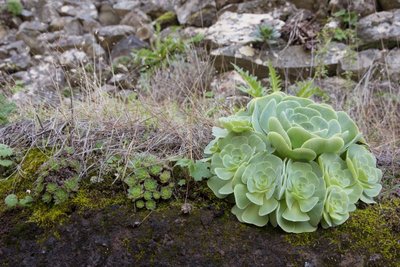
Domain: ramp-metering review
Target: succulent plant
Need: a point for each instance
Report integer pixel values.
(336, 173)
(156, 195)
(47, 197)
(60, 196)
(135, 192)
(26, 201)
(51, 188)
(72, 184)
(291, 162)
(232, 155)
(150, 184)
(155, 169)
(256, 195)
(336, 207)
(150, 205)
(166, 192)
(12, 201)
(139, 204)
(301, 129)
(303, 193)
(5, 153)
(236, 124)
(165, 177)
(130, 181)
(362, 165)
(142, 174)
(147, 195)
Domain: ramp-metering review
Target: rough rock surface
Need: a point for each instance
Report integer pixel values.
(361, 62)
(381, 27)
(389, 4)
(41, 84)
(293, 61)
(108, 36)
(393, 64)
(278, 8)
(233, 28)
(125, 46)
(360, 7)
(199, 13)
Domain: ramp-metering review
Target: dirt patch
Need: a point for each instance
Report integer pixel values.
(209, 236)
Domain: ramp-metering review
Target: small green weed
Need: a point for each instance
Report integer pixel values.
(6, 109)
(14, 7)
(162, 51)
(197, 169)
(5, 153)
(348, 21)
(267, 34)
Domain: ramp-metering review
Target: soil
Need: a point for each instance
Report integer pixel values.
(209, 236)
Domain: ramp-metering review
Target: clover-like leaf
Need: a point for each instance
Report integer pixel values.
(11, 201)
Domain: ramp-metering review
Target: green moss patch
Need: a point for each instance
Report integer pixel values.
(373, 230)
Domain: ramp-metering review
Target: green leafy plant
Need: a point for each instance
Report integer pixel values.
(348, 21)
(162, 51)
(147, 181)
(197, 169)
(292, 162)
(6, 109)
(12, 201)
(268, 34)
(5, 153)
(51, 188)
(14, 7)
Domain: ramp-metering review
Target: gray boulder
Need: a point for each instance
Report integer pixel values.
(293, 61)
(200, 13)
(381, 27)
(233, 28)
(108, 36)
(73, 58)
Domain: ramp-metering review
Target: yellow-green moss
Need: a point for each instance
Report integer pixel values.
(368, 230)
(23, 179)
(34, 158)
(46, 216)
(92, 199)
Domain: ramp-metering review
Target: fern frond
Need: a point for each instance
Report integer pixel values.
(307, 89)
(254, 87)
(274, 79)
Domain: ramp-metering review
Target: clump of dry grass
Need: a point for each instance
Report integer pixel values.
(168, 121)
(183, 79)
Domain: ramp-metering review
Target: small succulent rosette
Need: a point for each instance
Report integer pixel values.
(291, 162)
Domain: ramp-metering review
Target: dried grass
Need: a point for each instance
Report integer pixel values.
(175, 125)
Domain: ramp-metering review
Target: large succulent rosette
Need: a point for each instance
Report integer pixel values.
(292, 162)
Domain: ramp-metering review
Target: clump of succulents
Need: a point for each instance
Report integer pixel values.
(149, 182)
(58, 181)
(292, 162)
